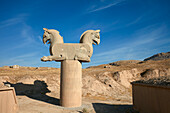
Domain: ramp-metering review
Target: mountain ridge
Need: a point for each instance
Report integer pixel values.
(159, 56)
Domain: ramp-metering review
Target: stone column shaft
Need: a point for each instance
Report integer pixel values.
(71, 83)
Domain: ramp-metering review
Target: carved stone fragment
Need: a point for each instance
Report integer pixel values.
(71, 56)
(70, 51)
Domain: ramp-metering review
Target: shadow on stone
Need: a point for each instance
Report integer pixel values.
(35, 91)
(111, 108)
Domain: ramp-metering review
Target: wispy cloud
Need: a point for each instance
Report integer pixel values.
(12, 21)
(26, 37)
(40, 38)
(20, 59)
(24, 56)
(135, 21)
(100, 7)
(145, 16)
(77, 32)
(148, 35)
(144, 42)
(23, 33)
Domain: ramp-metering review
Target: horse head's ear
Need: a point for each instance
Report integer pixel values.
(57, 31)
(45, 29)
(98, 31)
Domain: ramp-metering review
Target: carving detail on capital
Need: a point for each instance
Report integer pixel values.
(70, 51)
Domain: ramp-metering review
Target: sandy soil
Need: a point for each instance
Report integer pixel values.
(106, 88)
(29, 105)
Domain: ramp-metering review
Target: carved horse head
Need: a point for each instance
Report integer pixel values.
(90, 37)
(52, 36)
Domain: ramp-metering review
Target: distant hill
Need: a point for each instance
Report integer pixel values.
(159, 56)
(124, 62)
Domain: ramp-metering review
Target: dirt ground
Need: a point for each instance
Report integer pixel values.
(106, 88)
(29, 105)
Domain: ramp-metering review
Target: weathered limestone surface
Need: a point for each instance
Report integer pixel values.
(70, 51)
(71, 55)
(71, 83)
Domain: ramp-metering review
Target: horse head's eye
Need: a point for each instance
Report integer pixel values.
(47, 32)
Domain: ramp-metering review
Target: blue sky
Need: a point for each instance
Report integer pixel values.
(130, 29)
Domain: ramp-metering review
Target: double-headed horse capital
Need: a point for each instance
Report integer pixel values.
(70, 51)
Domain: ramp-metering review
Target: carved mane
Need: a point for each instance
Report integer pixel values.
(62, 51)
(83, 37)
(55, 36)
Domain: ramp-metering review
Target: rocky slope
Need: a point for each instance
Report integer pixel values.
(159, 81)
(103, 82)
(159, 56)
(107, 83)
(114, 80)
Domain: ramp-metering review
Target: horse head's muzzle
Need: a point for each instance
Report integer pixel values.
(96, 40)
(44, 39)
